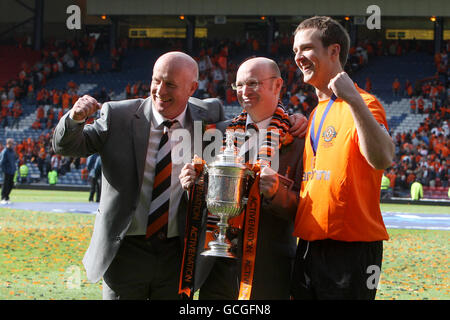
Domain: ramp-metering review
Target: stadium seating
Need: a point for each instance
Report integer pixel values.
(399, 116)
(435, 192)
(382, 71)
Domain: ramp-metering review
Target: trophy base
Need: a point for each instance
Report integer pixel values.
(217, 249)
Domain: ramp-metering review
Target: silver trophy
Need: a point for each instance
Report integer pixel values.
(224, 199)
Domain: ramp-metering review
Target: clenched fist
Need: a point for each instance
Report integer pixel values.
(343, 87)
(84, 107)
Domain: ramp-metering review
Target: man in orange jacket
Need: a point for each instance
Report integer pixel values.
(338, 220)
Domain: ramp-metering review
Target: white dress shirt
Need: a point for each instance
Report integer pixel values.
(255, 139)
(139, 222)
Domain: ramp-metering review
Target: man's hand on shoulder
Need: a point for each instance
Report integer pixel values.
(299, 125)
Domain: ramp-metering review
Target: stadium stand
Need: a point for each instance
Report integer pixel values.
(435, 192)
(74, 68)
(13, 59)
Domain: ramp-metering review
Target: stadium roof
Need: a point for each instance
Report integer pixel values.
(406, 8)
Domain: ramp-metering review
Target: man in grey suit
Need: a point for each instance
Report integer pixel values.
(128, 136)
(258, 85)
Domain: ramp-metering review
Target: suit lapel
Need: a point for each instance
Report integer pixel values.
(141, 132)
(194, 123)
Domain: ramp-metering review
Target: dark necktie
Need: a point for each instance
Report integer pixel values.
(250, 130)
(159, 207)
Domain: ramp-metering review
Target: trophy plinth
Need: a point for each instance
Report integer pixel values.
(219, 247)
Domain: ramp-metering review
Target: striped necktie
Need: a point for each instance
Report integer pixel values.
(250, 130)
(159, 207)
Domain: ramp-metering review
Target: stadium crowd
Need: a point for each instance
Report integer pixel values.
(422, 154)
(218, 63)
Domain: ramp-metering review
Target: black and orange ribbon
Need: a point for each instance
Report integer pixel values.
(193, 223)
(251, 224)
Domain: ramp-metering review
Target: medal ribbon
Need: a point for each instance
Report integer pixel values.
(314, 139)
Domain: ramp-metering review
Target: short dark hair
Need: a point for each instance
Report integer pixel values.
(331, 32)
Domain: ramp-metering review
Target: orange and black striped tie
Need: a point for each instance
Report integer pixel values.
(159, 207)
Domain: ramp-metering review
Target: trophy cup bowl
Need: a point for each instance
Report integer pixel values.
(224, 199)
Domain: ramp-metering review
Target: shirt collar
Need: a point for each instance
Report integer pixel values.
(158, 119)
(261, 125)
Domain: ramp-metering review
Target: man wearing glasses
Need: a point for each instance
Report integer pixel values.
(258, 85)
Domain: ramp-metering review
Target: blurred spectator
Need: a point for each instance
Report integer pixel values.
(65, 166)
(420, 105)
(23, 173)
(386, 191)
(204, 63)
(413, 105)
(8, 164)
(396, 87)
(55, 162)
(52, 177)
(128, 91)
(368, 86)
(408, 89)
(56, 99)
(202, 86)
(416, 191)
(41, 162)
(93, 164)
(17, 113)
(84, 174)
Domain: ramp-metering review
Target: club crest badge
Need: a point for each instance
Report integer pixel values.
(329, 134)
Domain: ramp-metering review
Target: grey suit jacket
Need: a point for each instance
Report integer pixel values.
(276, 245)
(121, 136)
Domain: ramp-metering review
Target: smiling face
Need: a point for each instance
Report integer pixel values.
(261, 101)
(174, 80)
(317, 63)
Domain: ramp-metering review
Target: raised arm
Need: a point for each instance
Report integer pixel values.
(376, 145)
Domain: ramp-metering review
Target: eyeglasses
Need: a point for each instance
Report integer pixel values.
(250, 83)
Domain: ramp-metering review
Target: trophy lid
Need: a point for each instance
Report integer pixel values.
(230, 156)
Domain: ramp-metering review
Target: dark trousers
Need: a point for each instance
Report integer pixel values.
(8, 183)
(330, 269)
(95, 189)
(144, 269)
(222, 282)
